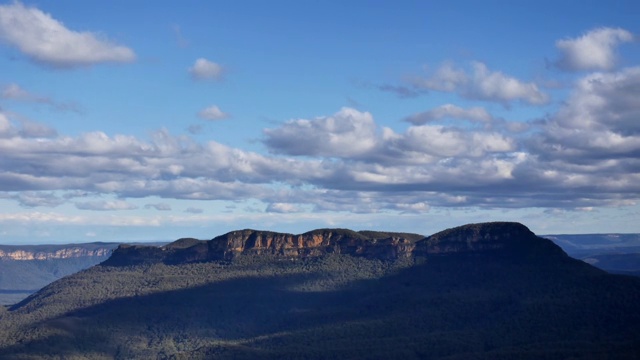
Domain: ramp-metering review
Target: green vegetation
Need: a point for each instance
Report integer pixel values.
(471, 305)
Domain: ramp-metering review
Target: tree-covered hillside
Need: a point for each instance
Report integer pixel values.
(527, 300)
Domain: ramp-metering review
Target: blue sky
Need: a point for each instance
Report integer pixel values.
(122, 121)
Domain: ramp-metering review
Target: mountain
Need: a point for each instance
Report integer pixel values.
(584, 245)
(479, 291)
(26, 268)
(615, 253)
(253, 242)
(50, 252)
(616, 263)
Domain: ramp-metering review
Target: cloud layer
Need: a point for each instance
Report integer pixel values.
(455, 147)
(476, 83)
(583, 155)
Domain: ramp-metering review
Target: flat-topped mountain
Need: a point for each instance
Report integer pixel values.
(50, 252)
(495, 237)
(481, 291)
(255, 242)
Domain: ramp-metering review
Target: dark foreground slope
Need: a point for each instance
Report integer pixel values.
(483, 291)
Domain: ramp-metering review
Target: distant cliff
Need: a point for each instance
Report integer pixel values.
(499, 237)
(26, 268)
(64, 253)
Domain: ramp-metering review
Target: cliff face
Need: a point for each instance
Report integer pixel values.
(313, 243)
(499, 238)
(64, 253)
(255, 242)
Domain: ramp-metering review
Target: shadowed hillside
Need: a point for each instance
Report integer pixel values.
(481, 291)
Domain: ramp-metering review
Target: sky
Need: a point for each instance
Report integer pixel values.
(140, 121)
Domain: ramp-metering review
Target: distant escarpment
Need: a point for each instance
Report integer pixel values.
(51, 252)
(498, 237)
(27, 268)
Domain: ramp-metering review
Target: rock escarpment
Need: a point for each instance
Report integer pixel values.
(499, 238)
(29, 253)
(255, 242)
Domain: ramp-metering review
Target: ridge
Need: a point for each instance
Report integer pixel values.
(492, 237)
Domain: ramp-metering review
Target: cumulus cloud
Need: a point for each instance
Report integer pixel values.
(212, 113)
(47, 41)
(352, 134)
(103, 205)
(450, 111)
(31, 199)
(204, 69)
(595, 50)
(25, 129)
(482, 84)
(346, 133)
(599, 121)
(347, 162)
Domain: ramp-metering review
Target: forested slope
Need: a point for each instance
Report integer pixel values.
(483, 291)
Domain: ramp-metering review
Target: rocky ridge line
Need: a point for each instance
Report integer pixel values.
(509, 238)
(66, 253)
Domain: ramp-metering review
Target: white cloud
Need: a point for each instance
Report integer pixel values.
(212, 112)
(443, 142)
(40, 217)
(204, 69)
(47, 41)
(192, 210)
(26, 129)
(418, 208)
(351, 134)
(35, 198)
(346, 133)
(446, 78)
(450, 111)
(103, 205)
(282, 208)
(594, 50)
(482, 84)
(346, 162)
(496, 86)
(159, 206)
(599, 121)
(6, 127)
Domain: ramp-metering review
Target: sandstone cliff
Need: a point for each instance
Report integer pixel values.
(50, 252)
(499, 238)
